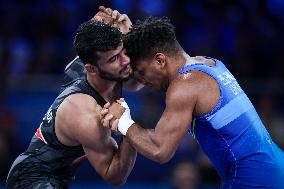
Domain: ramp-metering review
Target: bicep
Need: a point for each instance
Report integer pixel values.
(177, 117)
(84, 124)
(172, 127)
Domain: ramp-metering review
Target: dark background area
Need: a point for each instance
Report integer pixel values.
(36, 44)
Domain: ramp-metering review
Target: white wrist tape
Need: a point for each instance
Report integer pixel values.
(125, 120)
(124, 124)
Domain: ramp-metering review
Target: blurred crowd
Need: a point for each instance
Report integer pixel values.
(36, 43)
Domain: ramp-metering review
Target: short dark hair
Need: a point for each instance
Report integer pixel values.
(149, 37)
(92, 36)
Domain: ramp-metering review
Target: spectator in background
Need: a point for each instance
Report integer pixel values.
(268, 111)
(185, 175)
(8, 126)
(4, 156)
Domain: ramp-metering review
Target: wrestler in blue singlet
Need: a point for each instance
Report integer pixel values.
(234, 138)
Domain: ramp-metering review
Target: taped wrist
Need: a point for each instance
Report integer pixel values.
(123, 124)
(125, 120)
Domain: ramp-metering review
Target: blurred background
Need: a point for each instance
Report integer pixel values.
(36, 44)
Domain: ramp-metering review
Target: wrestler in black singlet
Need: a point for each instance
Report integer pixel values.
(47, 163)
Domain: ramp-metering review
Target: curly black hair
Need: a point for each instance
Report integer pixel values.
(92, 36)
(148, 37)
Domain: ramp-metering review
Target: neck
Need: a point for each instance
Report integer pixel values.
(109, 90)
(178, 62)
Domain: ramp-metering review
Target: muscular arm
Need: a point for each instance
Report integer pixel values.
(160, 144)
(115, 163)
(80, 123)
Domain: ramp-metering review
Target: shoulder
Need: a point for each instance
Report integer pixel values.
(79, 107)
(196, 89)
(79, 117)
(187, 84)
(81, 101)
(187, 88)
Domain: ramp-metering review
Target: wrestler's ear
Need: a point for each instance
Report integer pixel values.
(91, 68)
(160, 59)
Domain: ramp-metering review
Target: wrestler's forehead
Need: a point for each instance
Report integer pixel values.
(107, 54)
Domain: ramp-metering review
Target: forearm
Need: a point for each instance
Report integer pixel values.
(148, 144)
(122, 163)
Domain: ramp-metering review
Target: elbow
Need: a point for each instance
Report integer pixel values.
(162, 160)
(163, 157)
(117, 182)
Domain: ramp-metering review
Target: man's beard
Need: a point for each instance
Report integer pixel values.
(108, 76)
